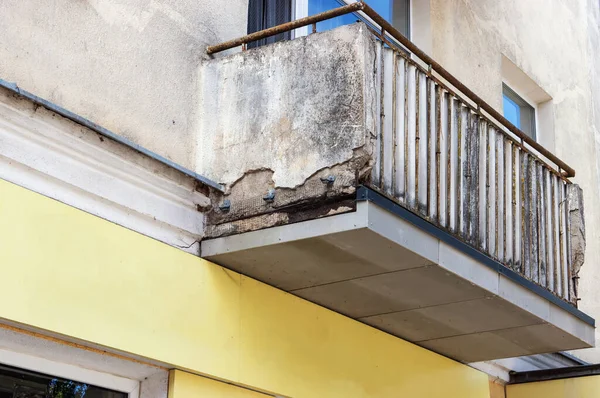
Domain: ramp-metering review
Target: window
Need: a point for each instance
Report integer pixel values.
(19, 383)
(518, 111)
(264, 14)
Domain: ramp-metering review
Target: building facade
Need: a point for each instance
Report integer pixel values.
(384, 198)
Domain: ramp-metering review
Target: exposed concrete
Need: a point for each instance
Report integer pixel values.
(130, 66)
(293, 108)
(286, 117)
(577, 234)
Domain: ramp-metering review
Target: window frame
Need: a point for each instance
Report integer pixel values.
(300, 10)
(523, 103)
(70, 372)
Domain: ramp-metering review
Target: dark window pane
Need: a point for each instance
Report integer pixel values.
(19, 383)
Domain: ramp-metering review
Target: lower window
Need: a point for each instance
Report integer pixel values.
(20, 383)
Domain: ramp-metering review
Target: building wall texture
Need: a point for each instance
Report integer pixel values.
(128, 65)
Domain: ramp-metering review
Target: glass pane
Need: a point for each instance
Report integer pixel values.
(18, 383)
(394, 11)
(317, 6)
(512, 111)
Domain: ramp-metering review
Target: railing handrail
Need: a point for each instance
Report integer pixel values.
(387, 28)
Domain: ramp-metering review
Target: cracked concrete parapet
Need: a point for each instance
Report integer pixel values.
(576, 235)
(287, 117)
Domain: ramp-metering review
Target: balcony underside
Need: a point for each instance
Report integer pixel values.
(388, 268)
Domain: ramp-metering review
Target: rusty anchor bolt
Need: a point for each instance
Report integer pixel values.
(225, 206)
(329, 180)
(270, 196)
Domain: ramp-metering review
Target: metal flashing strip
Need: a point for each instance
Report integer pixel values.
(364, 193)
(106, 133)
(554, 374)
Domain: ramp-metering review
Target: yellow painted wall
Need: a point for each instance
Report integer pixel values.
(579, 387)
(187, 385)
(78, 275)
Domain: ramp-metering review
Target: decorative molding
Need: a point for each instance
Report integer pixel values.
(58, 158)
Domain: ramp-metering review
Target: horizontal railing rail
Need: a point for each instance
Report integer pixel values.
(387, 29)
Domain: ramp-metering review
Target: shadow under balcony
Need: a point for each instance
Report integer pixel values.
(359, 179)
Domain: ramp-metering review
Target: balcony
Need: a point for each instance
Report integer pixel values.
(360, 175)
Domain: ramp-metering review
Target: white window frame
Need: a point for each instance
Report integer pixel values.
(70, 372)
(529, 102)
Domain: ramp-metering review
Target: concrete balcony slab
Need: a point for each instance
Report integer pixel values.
(390, 269)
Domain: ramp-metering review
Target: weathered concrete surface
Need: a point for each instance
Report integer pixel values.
(577, 234)
(128, 65)
(288, 111)
(285, 118)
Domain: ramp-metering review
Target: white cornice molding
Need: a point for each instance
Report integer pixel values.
(55, 157)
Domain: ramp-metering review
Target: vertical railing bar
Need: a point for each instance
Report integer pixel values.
(496, 166)
(438, 152)
(482, 159)
(545, 221)
(382, 116)
(538, 215)
(555, 240)
(504, 204)
(458, 166)
(406, 119)
(531, 192)
(428, 110)
(524, 258)
(487, 188)
(513, 156)
(449, 161)
(466, 175)
(417, 136)
(394, 122)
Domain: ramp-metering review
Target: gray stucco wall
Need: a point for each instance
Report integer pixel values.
(128, 65)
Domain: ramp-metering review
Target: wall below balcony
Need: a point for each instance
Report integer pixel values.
(556, 45)
(76, 275)
(130, 66)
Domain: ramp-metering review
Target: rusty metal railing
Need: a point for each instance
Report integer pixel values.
(453, 166)
(445, 154)
(388, 30)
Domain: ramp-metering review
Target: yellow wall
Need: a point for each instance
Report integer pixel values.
(83, 277)
(187, 385)
(579, 387)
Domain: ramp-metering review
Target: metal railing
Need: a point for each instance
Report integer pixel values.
(447, 155)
